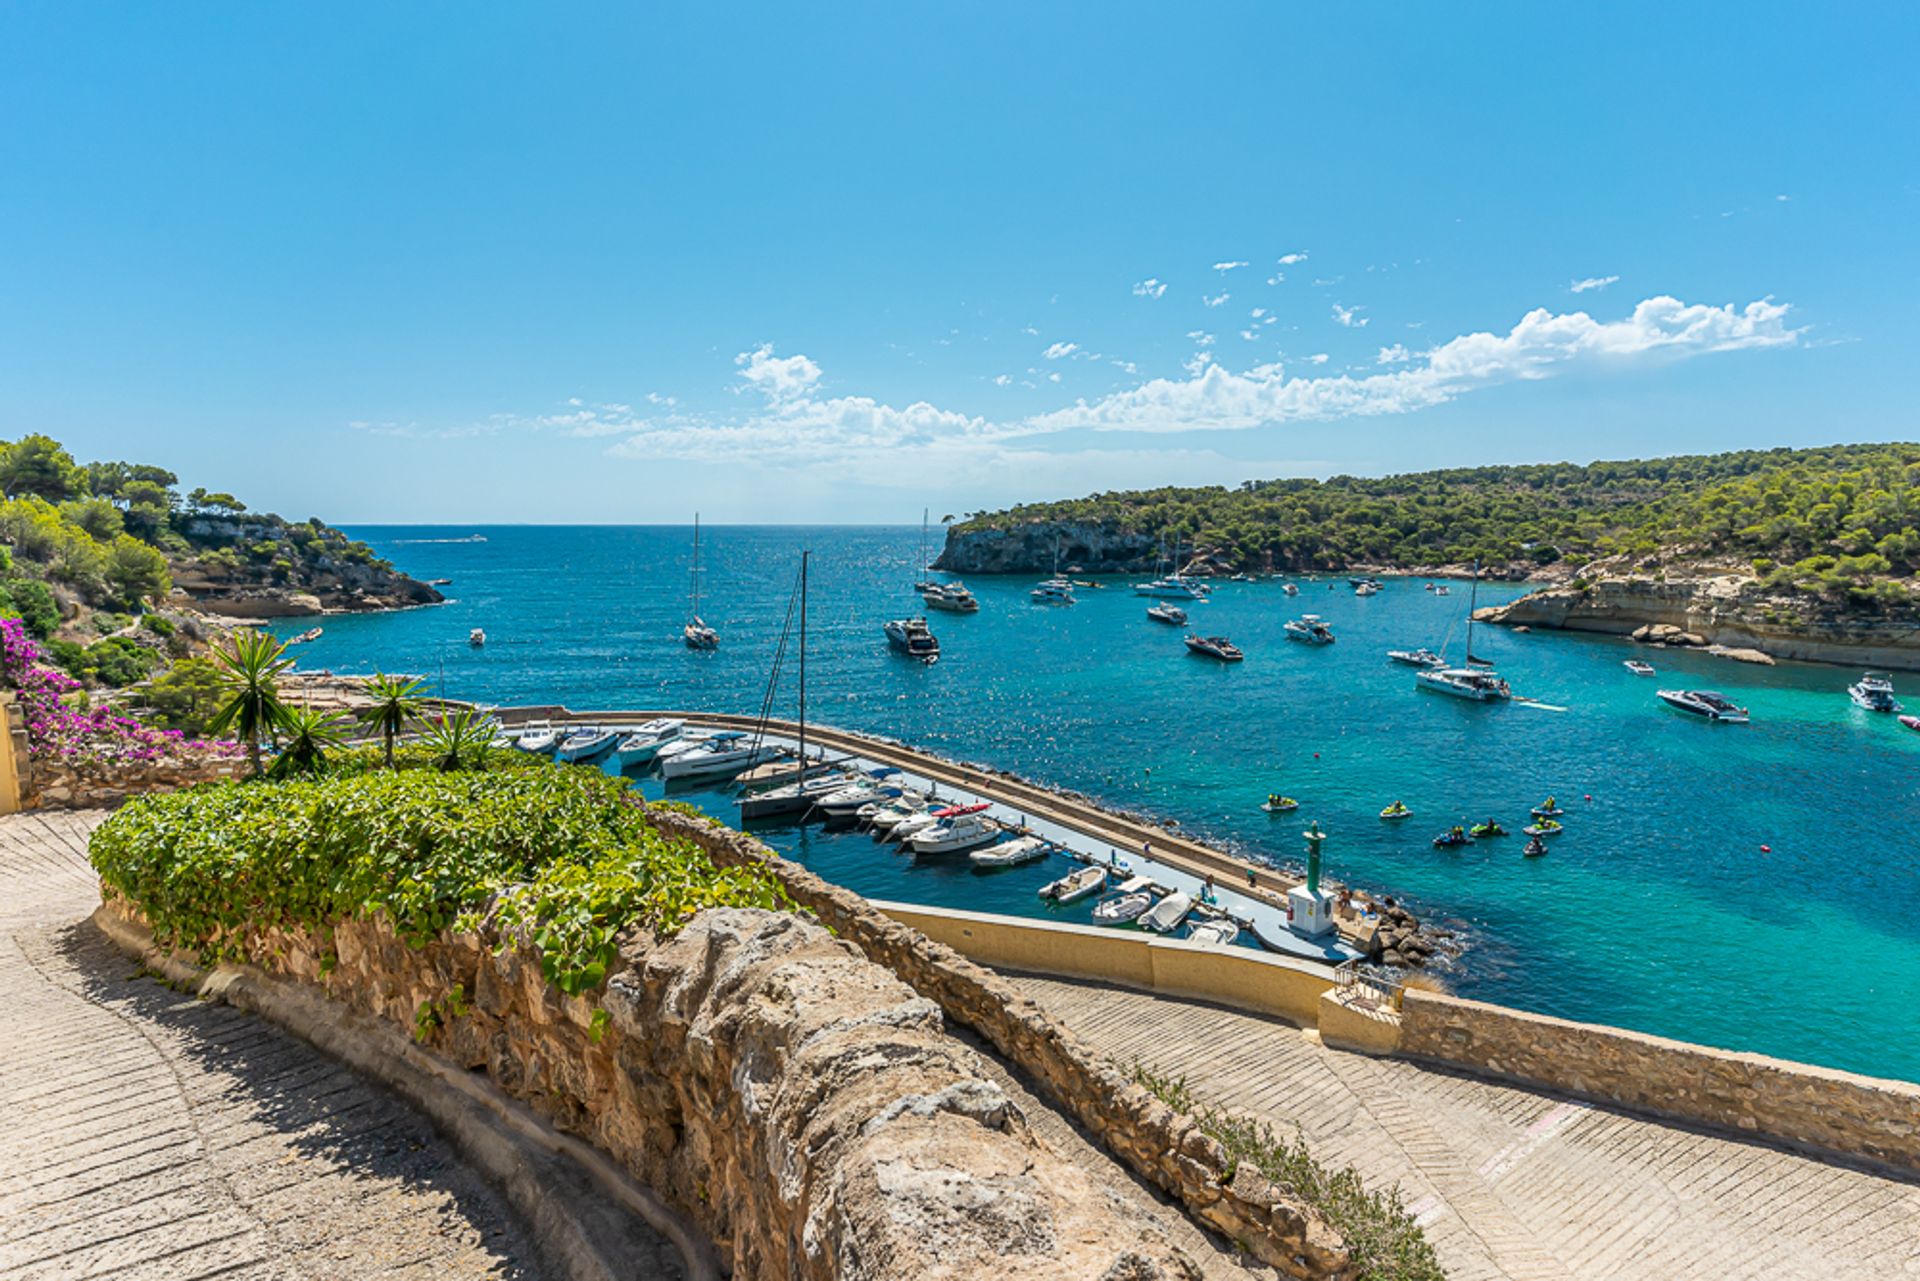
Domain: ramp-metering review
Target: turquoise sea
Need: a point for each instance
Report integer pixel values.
(1750, 887)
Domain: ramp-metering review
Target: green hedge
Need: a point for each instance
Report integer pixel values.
(427, 849)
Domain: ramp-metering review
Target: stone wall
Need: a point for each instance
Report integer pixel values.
(801, 1105)
(1164, 1146)
(1819, 1108)
(54, 785)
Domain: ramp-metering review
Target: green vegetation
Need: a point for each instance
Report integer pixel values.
(425, 848)
(186, 697)
(1842, 520)
(396, 701)
(249, 667)
(1382, 1238)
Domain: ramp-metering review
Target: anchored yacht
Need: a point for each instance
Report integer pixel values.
(1875, 693)
(1704, 702)
(911, 637)
(1478, 684)
(1215, 647)
(1308, 629)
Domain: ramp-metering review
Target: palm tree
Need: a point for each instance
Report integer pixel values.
(396, 700)
(310, 735)
(250, 665)
(457, 737)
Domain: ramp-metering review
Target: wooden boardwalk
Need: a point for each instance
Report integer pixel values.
(1511, 1183)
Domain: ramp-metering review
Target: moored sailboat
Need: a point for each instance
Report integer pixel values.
(696, 633)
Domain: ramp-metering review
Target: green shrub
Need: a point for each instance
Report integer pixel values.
(115, 662)
(38, 609)
(424, 848)
(184, 697)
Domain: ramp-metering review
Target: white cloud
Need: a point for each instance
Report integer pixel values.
(1003, 380)
(1278, 277)
(1217, 300)
(1030, 331)
(1149, 288)
(1258, 312)
(1783, 199)
(1250, 334)
(795, 427)
(1229, 266)
(1288, 260)
(1591, 282)
(1394, 355)
(1127, 365)
(777, 377)
(1349, 316)
(1060, 350)
(1200, 336)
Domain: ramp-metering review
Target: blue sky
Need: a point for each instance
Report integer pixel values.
(600, 263)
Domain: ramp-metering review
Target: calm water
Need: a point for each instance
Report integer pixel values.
(1658, 909)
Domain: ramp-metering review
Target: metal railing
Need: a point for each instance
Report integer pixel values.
(1368, 986)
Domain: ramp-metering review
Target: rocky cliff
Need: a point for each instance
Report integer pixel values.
(264, 567)
(1038, 547)
(1728, 610)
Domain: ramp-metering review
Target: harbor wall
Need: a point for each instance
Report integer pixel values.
(1823, 1109)
(1239, 977)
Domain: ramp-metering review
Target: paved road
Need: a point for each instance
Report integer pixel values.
(1514, 1184)
(144, 1134)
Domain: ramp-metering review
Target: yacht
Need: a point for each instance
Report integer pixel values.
(789, 798)
(1167, 614)
(1704, 702)
(1479, 684)
(724, 753)
(911, 637)
(847, 800)
(1173, 585)
(586, 743)
(1308, 629)
(1055, 591)
(1075, 885)
(1875, 693)
(538, 738)
(1368, 588)
(914, 824)
(1417, 657)
(645, 742)
(1214, 647)
(696, 633)
(954, 835)
(952, 597)
(1165, 916)
(1021, 849)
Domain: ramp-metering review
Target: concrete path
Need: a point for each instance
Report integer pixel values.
(1514, 1184)
(144, 1134)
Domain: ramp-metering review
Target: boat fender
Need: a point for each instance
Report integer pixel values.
(1289, 911)
(1766, 849)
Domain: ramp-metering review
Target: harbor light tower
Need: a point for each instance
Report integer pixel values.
(1309, 906)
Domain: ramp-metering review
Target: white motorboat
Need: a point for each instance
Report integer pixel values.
(847, 800)
(1218, 931)
(1130, 900)
(1055, 591)
(1874, 692)
(1290, 589)
(883, 816)
(955, 835)
(1309, 629)
(1021, 849)
(1167, 614)
(911, 637)
(1165, 916)
(1639, 668)
(1417, 657)
(643, 744)
(1075, 885)
(696, 633)
(1482, 685)
(952, 597)
(539, 738)
(1173, 586)
(1215, 647)
(1368, 588)
(1705, 702)
(586, 743)
(476, 638)
(908, 828)
(724, 753)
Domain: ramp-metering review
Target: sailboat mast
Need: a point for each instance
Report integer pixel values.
(693, 583)
(803, 665)
(1473, 602)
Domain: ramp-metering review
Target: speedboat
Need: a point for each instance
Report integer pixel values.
(1482, 685)
(1290, 589)
(1368, 588)
(1167, 614)
(724, 753)
(908, 828)
(1875, 693)
(846, 800)
(953, 835)
(1441, 590)
(1397, 810)
(538, 738)
(1173, 585)
(1309, 630)
(476, 638)
(1535, 847)
(952, 597)
(911, 637)
(1488, 828)
(644, 743)
(1165, 916)
(1280, 805)
(1215, 647)
(1638, 668)
(883, 816)
(1055, 591)
(1543, 827)
(1021, 849)
(1451, 839)
(1075, 885)
(1219, 931)
(1416, 657)
(1704, 702)
(586, 743)
(1129, 901)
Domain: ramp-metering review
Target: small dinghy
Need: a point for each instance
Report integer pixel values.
(1021, 849)
(1545, 827)
(1219, 932)
(1128, 903)
(1075, 885)
(1280, 805)
(1165, 916)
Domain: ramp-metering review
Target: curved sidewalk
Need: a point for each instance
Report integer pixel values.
(148, 1134)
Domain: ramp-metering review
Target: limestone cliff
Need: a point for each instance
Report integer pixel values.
(1093, 546)
(1728, 610)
